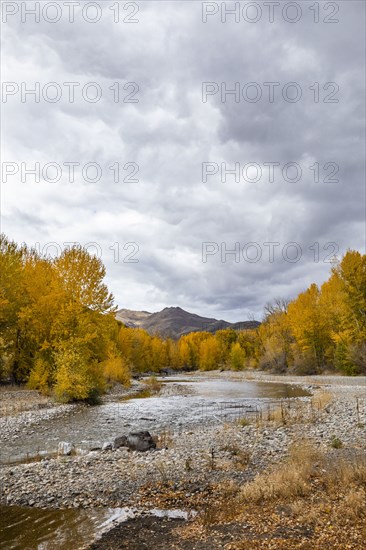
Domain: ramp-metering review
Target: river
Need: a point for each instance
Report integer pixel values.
(200, 399)
(206, 400)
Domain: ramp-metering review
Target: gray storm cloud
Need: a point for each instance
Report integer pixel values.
(170, 212)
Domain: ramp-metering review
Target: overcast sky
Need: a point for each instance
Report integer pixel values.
(163, 137)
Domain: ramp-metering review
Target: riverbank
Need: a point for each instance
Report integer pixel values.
(25, 413)
(194, 468)
(317, 381)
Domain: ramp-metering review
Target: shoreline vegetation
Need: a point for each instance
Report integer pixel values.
(59, 334)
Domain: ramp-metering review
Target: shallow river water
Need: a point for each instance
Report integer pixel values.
(37, 529)
(200, 400)
(206, 400)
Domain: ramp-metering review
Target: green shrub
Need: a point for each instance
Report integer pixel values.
(336, 443)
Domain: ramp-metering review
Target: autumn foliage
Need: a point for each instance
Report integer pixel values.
(59, 334)
(58, 330)
(322, 329)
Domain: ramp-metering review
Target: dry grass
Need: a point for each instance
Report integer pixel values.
(240, 457)
(322, 399)
(151, 386)
(242, 422)
(288, 481)
(311, 483)
(140, 394)
(15, 400)
(162, 469)
(340, 502)
(165, 440)
(343, 474)
(305, 470)
(314, 500)
(223, 509)
(288, 412)
(353, 505)
(284, 414)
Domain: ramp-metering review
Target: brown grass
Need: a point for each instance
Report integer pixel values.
(162, 469)
(322, 399)
(286, 413)
(165, 440)
(223, 509)
(15, 400)
(312, 485)
(353, 505)
(289, 412)
(288, 481)
(344, 473)
(306, 468)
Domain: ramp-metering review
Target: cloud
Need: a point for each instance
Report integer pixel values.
(170, 132)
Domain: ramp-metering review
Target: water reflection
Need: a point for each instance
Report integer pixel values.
(37, 529)
(31, 528)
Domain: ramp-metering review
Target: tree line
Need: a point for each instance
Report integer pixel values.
(57, 323)
(323, 329)
(58, 331)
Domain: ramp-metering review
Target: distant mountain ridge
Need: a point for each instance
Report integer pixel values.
(173, 322)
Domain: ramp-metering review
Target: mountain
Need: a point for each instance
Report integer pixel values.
(173, 322)
(132, 318)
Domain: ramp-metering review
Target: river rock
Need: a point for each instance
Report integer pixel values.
(120, 441)
(140, 441)
(65, 448)
(95, 447)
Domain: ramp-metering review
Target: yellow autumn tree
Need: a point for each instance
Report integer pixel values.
(237, 357)
(308, 324)
(12, 299)
(349, 329)
(273, 349)
(209, 354)
(225, 339)
(78, 376)
(57, 321)
(117, 369)
(82, 277)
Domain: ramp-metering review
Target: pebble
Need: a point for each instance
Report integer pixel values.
(114, 477)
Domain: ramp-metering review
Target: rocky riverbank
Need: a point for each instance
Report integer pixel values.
(200, 456)
(23, 412)
(189, 468)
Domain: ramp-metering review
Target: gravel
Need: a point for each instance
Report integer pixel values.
(202, 455)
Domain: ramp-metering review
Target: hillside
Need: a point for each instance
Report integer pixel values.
(132, 318)
(173, 322)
